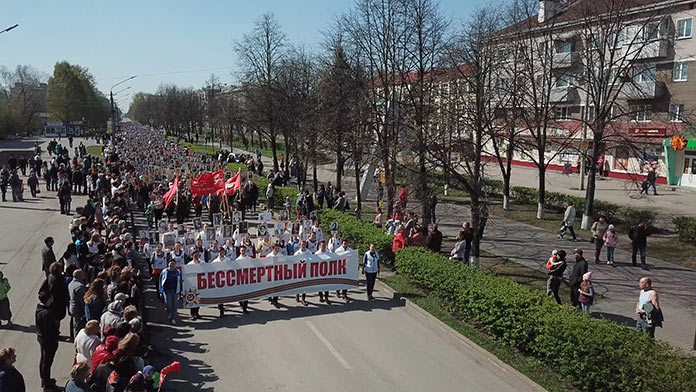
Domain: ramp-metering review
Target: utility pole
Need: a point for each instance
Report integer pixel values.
(111, 98)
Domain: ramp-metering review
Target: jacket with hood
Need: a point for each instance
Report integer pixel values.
(104, 352)
(112, 316)
(399, 240)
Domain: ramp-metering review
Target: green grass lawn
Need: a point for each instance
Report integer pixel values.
(94, 150)
(531, 367)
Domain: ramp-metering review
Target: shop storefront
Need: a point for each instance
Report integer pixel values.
(680, 159)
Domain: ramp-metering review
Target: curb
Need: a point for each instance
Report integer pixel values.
(479, 355)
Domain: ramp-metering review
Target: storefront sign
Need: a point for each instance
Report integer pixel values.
(650, 132)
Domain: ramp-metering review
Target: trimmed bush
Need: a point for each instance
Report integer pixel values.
(280, 193)
(598, 355)
(358, 234)
(686, 227)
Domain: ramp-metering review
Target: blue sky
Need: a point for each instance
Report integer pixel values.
(179, 42)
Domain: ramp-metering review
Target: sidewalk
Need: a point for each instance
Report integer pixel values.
(618, 285)
(670, 201)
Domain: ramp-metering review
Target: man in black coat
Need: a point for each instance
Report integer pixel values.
(575, 278)
(47, 336)
(639, 242)
(47, 255)
(434, 240)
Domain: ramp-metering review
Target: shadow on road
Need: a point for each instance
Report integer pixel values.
(617, 318)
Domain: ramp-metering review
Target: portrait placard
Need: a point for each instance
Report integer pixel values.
(296, 228)
(265, 217)
(243, 227)
(334, 227)
(198, 223)
(228, 231)
(162, 226)
(284, 215)
(261, 229)
(190, 239)
(210, 234)
(144, 235)
(168, 240)
(217, 219)
(236, 216)
(306, 226)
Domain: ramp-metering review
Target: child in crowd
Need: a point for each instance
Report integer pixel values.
(586, 291)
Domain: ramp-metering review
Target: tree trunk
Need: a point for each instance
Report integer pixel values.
(423, 185)
(275, 153)
(358, 212)
(542, 186)
(478, 225)
(339, 165)
(591, 184)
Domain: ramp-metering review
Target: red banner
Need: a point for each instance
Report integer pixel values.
(169, 196)
(231, 185)
(208, 183)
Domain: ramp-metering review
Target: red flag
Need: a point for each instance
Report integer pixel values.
(232, 185)
(208, 183)
(169, 196)
(173, 367)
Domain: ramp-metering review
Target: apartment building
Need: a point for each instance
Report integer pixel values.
(656, 100)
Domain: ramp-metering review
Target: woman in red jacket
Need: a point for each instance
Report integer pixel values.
(399, 240)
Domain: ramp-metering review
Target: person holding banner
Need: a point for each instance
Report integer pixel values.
(343, 293)
(275, 253)
(370, 269)
(303, 251)
(221, 258)
(249, 246)
(195, 259)
(213, 251)
(323, 296)
(334, 243)
(243, 256)
(230, 249)
(170, 288)
(265, 246)
(202, 253)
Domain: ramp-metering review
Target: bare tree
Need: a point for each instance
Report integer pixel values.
(261, 53)
(26, 98)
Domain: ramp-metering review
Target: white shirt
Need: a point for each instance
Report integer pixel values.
(220, 259)
(85, 346)
(313, 246)
(341, 249)
(243, 258)
(178, 258)
(334, 243)
(204, 238)
(319, 233)
(301, 252)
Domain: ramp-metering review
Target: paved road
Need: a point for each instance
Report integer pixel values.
(24, 226)
(378, 346)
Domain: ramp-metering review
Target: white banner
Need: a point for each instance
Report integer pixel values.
(239, 280)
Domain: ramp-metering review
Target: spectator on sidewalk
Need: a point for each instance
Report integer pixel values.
(10, 378)
(48, 336)
(76, 309)
(652, 179)
(555, 267)
(599, 227)
(639, 243)
(611, 239)
(648, 308)
(87, 341)
(460, 251)
(415, 238)
(575, 279)
(379, 218)
(399, 241)
(78, 378)
(434, 240)
(5, 312)
(47, 255)
(586, 293)
(568, 219)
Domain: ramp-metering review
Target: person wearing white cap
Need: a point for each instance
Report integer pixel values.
(586, 292)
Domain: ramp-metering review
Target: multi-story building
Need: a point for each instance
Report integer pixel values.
(655, 101)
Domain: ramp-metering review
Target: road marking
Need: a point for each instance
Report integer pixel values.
(328, 345)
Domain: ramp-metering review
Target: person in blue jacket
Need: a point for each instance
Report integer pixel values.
(371, 269)
(170, 288)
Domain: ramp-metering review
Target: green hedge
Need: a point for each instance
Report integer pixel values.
(558, 201)
(598, 355)
(280, 193)
(686, 227)
(358, 234)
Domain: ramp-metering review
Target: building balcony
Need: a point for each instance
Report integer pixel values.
(565, 60)
(652, 50)
(564, 94)
(642, 90)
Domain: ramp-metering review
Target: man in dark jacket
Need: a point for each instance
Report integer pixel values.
(10, 378)
(47, 255)
(575, 278)
(639, 242)
(434, 240)
(47, 336)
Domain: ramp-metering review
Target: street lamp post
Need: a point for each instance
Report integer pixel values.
(111, 97)
(10, 28)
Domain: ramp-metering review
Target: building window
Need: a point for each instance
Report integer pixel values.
(595, 41)
(651, 32)
(615, 40)
(676, 112)
(681, 71)
(590, 113)
(621, 158)
(563, 113)
(644, 74)
(565, 47)
(684, 28)
(642, 113)
(564, 81)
